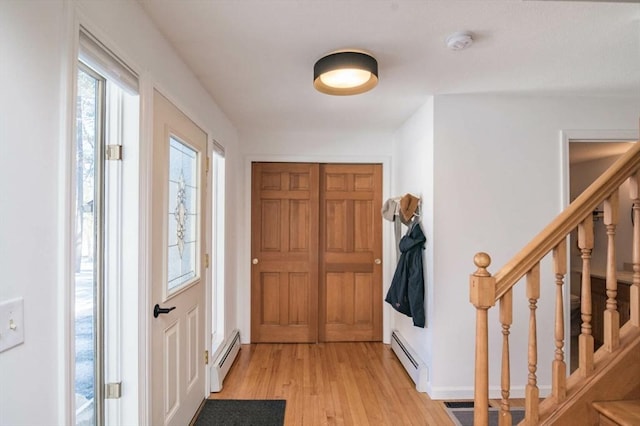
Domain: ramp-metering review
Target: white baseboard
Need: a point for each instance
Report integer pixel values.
(461, 393)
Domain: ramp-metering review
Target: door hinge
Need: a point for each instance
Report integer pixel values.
(207, 167)
(114, 152)
(206, 260)
(113, 390)
(206, 357)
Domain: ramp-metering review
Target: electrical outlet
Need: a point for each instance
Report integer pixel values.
(11, 323)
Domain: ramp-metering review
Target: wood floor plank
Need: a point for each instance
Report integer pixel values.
(345, 384)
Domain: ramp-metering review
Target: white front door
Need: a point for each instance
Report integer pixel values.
(178, 267)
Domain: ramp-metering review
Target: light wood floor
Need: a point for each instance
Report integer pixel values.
(332, 384)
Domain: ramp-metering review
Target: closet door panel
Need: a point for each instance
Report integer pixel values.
(350, 252)
(284, 252)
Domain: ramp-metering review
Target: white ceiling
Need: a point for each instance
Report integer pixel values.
(256, 57)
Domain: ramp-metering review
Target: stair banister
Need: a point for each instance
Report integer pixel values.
(567, 221)
(486, 290)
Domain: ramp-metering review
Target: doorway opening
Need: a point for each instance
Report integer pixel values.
(588, 159)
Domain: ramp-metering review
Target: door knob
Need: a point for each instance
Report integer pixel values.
(157, 310)
(377, 261)
(255, 261)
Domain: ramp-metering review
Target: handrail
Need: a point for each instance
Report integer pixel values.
(565, 222)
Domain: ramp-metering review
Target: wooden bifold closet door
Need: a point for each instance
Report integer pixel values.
(316, 249)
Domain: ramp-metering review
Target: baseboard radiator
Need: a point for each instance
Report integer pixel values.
(416, 368)
(224, 360)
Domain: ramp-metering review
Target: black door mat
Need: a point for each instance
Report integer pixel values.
(241, 412)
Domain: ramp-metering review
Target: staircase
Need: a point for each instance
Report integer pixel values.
(623, 413)
(605, 389)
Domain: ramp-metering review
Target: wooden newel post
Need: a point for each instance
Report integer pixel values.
(482, 294)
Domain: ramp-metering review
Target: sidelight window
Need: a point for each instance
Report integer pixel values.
(107, 120)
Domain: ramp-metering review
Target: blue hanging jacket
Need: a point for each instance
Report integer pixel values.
(406, 293)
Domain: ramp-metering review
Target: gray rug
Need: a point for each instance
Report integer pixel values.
(461, 412)
(242, 412)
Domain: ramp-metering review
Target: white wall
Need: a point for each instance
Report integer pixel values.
(497, 183)
(346, 145)
(31, 50)
(412, 172)
(338, 147)
(37, 39)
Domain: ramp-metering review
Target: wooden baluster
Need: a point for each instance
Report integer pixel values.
(585, 340)
(506, 319)
(482, 291)
(559, 367)
(531, 390)
(634, 180)
(611, 314)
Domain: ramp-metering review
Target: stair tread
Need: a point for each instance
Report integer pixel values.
(625, 413)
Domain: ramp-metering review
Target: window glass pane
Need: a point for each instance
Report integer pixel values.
(88, 125)
(183, 220)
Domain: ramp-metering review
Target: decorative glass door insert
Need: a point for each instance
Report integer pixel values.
(182, 251)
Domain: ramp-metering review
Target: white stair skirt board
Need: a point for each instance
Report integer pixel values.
(224, 360)
(416, 368)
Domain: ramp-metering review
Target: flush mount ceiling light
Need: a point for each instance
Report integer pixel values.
(345, 73)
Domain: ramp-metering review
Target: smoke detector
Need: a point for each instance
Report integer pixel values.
(460, 40)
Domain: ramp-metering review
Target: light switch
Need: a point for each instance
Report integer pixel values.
(11, 323)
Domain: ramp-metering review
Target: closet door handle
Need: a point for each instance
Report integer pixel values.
(255, 261)
(377, 261)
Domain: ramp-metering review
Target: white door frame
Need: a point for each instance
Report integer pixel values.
(566, 137)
